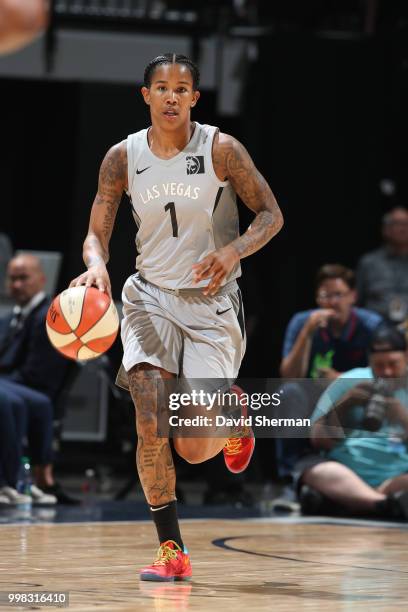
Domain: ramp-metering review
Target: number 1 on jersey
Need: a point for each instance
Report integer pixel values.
(172, 208)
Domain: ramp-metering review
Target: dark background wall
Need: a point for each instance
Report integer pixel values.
(324, 120)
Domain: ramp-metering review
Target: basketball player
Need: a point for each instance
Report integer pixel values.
(20, 22)
(182, 309)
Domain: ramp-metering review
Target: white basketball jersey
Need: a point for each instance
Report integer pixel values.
(182, 210)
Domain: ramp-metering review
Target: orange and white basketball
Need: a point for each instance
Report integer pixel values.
(82, 323)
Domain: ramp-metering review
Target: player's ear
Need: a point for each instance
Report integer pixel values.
(146, 94)
(196, 95)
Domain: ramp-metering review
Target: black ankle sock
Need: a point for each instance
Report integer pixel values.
(166, 521)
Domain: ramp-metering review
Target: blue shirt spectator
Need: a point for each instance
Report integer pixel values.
(342, 352)
(333, 338)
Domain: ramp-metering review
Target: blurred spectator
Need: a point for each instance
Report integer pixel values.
(323, 342)
(31, 371)
(319, 344)
(364, 472)
(20, 22)
(382, 275)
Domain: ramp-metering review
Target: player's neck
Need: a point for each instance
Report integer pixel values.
(167, 144)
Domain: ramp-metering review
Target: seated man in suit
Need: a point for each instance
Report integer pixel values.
(30, 369)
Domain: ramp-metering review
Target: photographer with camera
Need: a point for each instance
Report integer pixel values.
(360, 427)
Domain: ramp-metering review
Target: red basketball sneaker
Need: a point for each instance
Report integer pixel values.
(171, 564)
(239, 448)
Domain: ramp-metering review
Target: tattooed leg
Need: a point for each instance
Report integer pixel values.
(153, 457)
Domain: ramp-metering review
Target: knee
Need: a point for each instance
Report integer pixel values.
(146, 389)
(146, 424)
(189, 450)
(146, 418)
(317, 474)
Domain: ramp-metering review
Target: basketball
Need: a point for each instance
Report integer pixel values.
(82, 323)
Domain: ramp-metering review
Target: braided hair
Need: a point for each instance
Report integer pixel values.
(171, 58)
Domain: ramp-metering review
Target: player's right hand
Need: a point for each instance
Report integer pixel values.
(319, 318)
(95, 276)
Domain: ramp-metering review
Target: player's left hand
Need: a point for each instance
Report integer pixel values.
(216, 266)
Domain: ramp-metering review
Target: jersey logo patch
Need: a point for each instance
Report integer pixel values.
(195, 164)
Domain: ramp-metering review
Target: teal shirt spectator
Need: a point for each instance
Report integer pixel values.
(374, 456)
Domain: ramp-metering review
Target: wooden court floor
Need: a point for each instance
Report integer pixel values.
(238, 565)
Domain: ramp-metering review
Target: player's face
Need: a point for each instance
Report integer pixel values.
(171, 95)
(335, 294)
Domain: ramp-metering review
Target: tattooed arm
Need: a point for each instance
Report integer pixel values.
(232, 161)
(112, 183)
